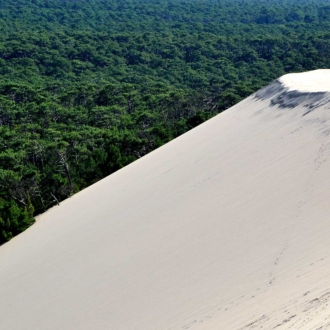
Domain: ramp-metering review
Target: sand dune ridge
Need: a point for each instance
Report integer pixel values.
(225, 227)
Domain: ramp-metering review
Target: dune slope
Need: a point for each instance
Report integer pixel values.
(226, 227)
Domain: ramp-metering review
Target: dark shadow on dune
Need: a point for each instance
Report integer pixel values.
(280, 96)
(269, 91)
(291, 99)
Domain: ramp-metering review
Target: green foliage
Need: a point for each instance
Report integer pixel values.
(86, 87)
(13, 218)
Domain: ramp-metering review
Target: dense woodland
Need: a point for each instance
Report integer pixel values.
(88, 86)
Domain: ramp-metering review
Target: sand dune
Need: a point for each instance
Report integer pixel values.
(226, 227)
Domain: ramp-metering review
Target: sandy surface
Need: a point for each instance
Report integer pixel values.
(311, 81)
(226, 227)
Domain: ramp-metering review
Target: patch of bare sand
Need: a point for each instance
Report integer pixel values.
(311, 81)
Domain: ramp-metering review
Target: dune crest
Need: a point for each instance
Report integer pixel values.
(311, 81)
(225, 227)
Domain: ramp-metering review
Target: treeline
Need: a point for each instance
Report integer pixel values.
(86, 87)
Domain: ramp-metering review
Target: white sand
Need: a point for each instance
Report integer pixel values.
(226, 227)
(311, 81)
